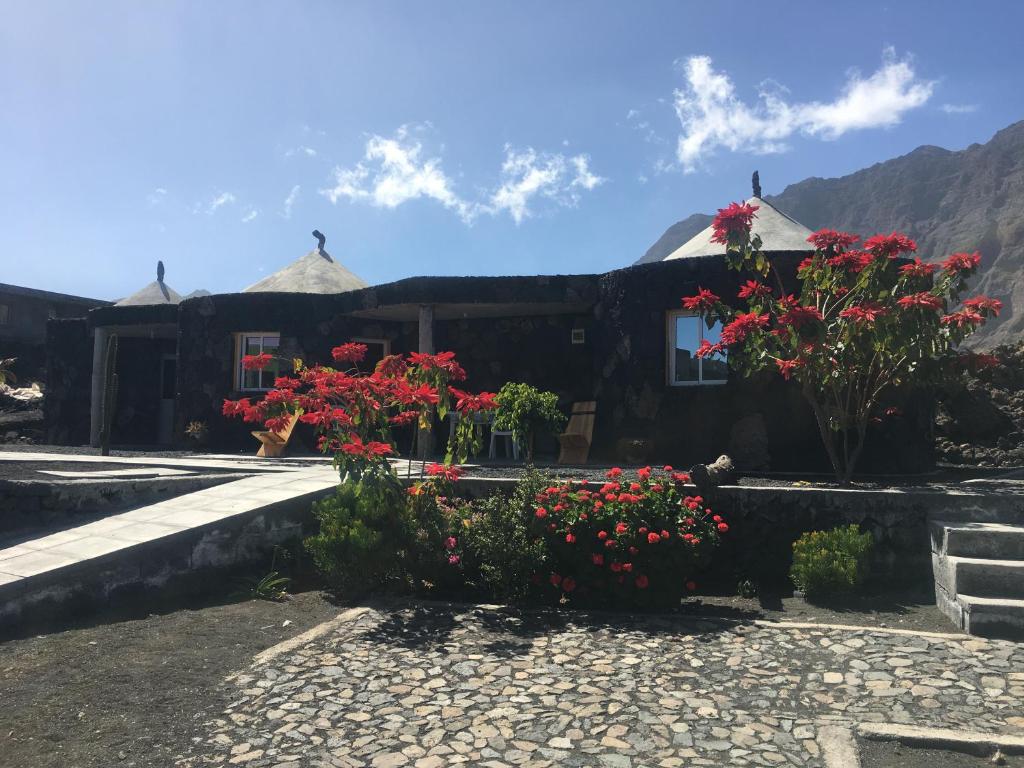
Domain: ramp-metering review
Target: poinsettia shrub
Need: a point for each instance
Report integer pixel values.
(861, 322)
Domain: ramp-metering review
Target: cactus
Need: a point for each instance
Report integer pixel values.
(109, 394)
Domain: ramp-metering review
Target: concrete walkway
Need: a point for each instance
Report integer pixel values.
(211, 528)
(430, 685)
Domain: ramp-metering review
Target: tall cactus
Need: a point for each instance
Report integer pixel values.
(109, 394)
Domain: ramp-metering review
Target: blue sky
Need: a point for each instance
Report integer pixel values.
(451, 137)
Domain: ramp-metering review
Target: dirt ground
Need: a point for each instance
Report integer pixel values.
(132, 693)
(135, 692)
(884, 754)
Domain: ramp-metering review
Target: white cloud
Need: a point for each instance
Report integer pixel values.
(302, 150)
(251, 214)
(396, 170)
(219, 201)
(712, 115)
(290, 201)
(156, 196)
(959, 109)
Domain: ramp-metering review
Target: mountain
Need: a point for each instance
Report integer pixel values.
(968, 200)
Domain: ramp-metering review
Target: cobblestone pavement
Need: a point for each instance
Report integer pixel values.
(431, 685)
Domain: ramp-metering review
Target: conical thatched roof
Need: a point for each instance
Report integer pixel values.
(316, 272)
(157, 292)
(777, 230)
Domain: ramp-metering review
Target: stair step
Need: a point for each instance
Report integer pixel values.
(995, 541)
(992, 616)
(979, 576)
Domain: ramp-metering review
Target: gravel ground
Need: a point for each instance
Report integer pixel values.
(884, 754)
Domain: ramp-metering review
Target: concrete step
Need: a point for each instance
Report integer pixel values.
(979, 576)
(995, 541)
(992, 616)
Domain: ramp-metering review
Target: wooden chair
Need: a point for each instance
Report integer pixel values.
(272, 444)
(578, 434)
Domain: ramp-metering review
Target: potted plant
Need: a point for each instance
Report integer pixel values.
(526, 412)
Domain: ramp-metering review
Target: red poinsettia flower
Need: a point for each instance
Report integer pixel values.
(485, 401)
(236, 407)
(742, 326)
(754, 288)
(371, 450)
(868, 312)
(984, 304)
(890, 246)
(442, 361)
(962, 262)
(965, 318)
(826, 239)
(256, 362)
(704, 301)
(786, 367)
(922, 300)
(852, 261)
(800, 315)
(734, 219)
(918, 269)
(613, 473)
(351, 352)
(451, 473)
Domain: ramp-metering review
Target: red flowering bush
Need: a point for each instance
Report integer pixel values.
(862, 322)
(625, 541)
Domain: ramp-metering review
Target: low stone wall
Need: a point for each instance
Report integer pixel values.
(765, 521)
(27, 505)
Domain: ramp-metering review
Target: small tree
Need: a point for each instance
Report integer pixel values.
(862, 322)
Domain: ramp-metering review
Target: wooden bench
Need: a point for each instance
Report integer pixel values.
(272, 444)
(578, 434)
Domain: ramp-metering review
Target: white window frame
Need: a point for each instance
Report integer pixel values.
(240, 345)
(670, 351)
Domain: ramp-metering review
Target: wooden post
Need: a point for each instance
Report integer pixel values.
(425, 441)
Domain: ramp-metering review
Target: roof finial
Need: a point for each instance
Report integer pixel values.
(756, 181)
(159, 271)
(320, 239)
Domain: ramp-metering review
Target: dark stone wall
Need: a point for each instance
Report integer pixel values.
(68, 382)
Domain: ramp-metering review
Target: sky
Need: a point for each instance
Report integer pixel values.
(451, 138)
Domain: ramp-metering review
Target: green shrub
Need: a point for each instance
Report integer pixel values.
(501, 555)
(831, 562)
(527, 412)
(366, 530)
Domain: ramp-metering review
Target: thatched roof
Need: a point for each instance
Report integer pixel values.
(316, 272)
(777, 230)
(157, 292)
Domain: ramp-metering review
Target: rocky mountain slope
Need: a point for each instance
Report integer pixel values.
(948, 201)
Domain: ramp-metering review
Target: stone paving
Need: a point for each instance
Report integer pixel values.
(430, 685)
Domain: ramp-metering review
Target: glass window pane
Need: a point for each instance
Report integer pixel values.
(687, 339)
(715, 367)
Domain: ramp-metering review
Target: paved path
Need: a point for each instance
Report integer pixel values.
(432, 685)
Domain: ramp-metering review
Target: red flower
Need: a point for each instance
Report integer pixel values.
(707, 349)
(735, 219)
(256, 362)
(786, 367)
(642, 582)
(371, 450)
(922, 300)
(616, 567)
(644, 473)
(890, 246)
(448, 473)
(798, 316)
(555, 579)
(962, 262)
(918, 269)
(851, 261)
(602, 535)
(442, 361)
(704, 301)
(613, 473)
(753, 288)
(667, 468)
(568, 584)
(570, 538)
(485, 401)
(984, 304)
(621, 528)
(351, 352)
(867, 312)
(541, 512)
(627, 567)
(236, 407)
(742, 326)
(610, 544)
(723, 527)
(965, 318)
(597, 559)
(824, 239)
(653, 538)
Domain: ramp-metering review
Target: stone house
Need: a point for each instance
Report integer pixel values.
(620, 338)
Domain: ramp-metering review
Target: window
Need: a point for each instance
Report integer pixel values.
(579, 336)
(257, 344)
(685, 333)
(376, 350)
